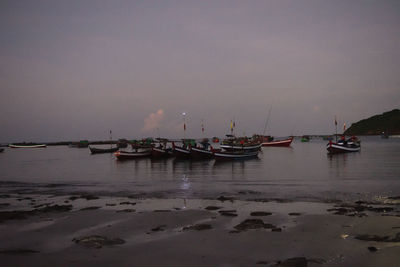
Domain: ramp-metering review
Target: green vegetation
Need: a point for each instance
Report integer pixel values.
(388, 122)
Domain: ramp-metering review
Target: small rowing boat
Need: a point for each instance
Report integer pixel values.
(122, 155)
(27, 146)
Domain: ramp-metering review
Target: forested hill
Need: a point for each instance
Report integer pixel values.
(388, 122)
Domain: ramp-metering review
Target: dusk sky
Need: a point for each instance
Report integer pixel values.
(73, 70)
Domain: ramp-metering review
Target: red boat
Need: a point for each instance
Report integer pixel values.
(284, 142)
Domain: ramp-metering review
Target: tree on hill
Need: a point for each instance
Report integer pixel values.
(388, 122)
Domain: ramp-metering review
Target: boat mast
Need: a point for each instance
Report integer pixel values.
(184, 126)
(110, 139)
(266, 121)
(202, 127)
(335, 129)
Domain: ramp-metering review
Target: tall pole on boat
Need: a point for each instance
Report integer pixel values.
(184, 126)
(335, 129)
(202, 127)
(266, 121)
(110, 138)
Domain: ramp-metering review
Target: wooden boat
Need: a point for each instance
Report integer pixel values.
(235, 155)
(284, 142)
(122, 155)
(344, 146)
(27, 146)
(157, 152)
(201, 153)
(180, 151)
(95, 150)
(244, 146)
(232, 143)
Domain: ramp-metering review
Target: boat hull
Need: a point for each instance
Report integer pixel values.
(284, 143)
(226, 155)
(159, 153)
(181, 152)
(27, 146)
(337, 148)
(95, 150)
(199, 153)
(241, 148)
(124, 155)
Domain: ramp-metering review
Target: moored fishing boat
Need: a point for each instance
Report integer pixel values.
(235, 155)
(232, 143)
(342, 146)
(122, 155)
(181, 151)
(27, 146)
(157, 152)
(202, 151)
(284, 142)
(95, 150)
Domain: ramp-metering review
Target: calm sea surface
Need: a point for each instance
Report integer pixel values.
(304, 171)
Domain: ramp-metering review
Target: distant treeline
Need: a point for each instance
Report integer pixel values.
(388, 123)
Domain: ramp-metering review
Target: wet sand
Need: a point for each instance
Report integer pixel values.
(87, 230)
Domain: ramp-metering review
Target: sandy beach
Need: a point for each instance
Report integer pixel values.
(87, 230)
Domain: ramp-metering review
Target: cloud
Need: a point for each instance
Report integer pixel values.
(153, 121)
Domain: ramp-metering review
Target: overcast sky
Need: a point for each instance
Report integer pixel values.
(74, 70)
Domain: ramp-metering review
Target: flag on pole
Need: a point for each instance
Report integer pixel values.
(202, 127)
(231, 125)
(335, 121)
(184, 126)
(344, 126)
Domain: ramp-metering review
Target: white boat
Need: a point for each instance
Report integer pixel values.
(121, 155)
(27, 146)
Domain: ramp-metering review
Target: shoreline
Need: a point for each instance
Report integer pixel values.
(83, 230)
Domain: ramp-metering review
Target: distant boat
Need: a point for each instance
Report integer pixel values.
(342, 146)
(384, 135)
(284, 142)
(235, 155)
(327, 138)
(27, 146)
(95, 150)
(305, 138)
(1, 150)
(215, 140)
(122, 155)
